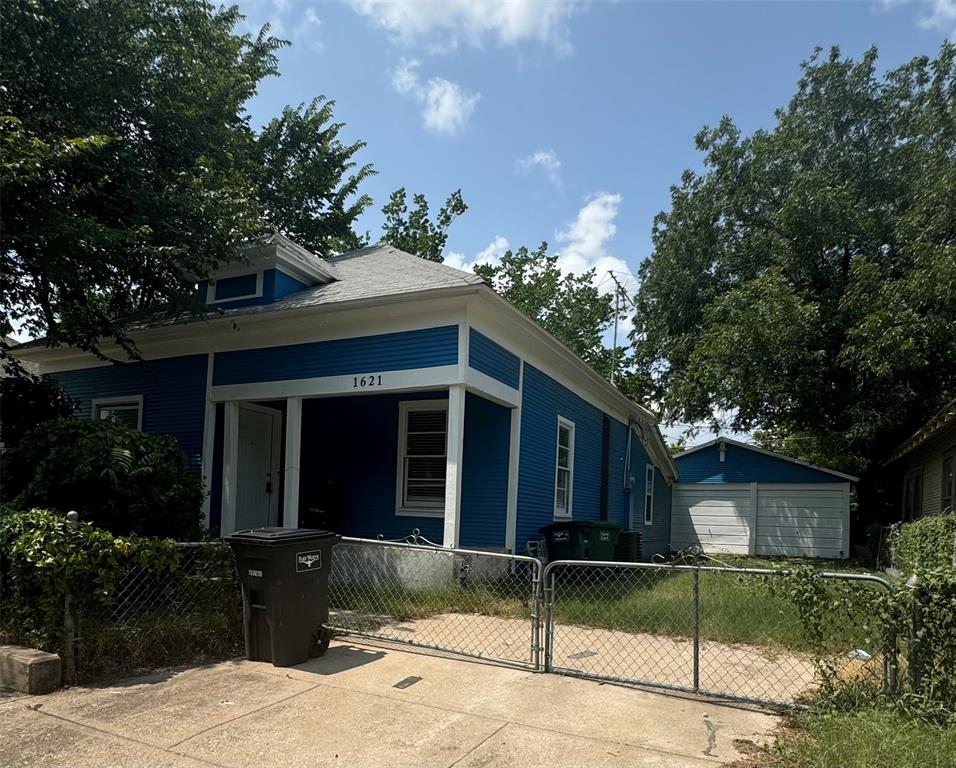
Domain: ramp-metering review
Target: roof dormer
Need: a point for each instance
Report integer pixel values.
(266, 271)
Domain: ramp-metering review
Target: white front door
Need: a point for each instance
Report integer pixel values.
(257, 482)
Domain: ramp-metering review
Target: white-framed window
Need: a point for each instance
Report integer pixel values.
(649, 494)
(564, 469)
(128, 410)
(237, 287)
(422, 457)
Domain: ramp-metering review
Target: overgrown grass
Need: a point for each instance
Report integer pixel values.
(733, 608)
(875, 737)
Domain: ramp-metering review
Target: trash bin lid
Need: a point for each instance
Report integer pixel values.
(565, 525)
(270, 536)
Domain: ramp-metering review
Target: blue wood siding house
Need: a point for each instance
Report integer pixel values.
(381, 393)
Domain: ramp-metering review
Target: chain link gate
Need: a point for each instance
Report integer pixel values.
(467, 602)
(722, 632)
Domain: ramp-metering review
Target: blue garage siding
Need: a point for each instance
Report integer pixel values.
(492, 359)
(173, 390)
(741, 465)
(484, 486)
(543, 400)
(350, 456)
(387, 352)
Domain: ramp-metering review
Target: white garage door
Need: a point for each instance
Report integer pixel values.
(810, 520)
(715, 516)
(806, 520)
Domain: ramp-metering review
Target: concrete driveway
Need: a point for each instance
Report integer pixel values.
(369, 706)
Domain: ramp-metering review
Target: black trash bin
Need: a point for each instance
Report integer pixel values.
(581, 539)
(285, 592)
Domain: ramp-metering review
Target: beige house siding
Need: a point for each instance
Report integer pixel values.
(928, 459)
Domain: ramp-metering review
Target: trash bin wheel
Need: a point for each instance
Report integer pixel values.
(320, 642)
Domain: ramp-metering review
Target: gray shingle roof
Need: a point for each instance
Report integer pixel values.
(378, 271)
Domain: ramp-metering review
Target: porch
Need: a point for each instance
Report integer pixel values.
(440, 459)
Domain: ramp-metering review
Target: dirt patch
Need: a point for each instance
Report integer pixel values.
(737, 669)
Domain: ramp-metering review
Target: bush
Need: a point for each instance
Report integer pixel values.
(42, 559)
(28, 401)
(136, 603)
(926, 544)
(116, 477)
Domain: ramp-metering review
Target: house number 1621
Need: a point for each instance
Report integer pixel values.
(364, 382)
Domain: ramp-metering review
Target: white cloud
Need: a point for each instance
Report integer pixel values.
(446, 106)
(942, 16)
(450, 22)
(584, 241)
(490, 255)
(935, 14)
(545, 159)
(286, 20)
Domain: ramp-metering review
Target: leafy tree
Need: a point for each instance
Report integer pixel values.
(413, 231)
(568, 306)
(115, 476)
(27, 400)
(129, 163)
(304, 186)
(804, 284)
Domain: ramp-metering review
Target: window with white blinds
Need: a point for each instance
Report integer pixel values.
(423, 427)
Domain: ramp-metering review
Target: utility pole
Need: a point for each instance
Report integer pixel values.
(618, 292)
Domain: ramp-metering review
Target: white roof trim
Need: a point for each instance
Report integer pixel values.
(758, 449)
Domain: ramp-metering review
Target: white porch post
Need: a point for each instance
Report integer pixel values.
(230, 466)
(453, 467)
(514, 455)
(293, 454)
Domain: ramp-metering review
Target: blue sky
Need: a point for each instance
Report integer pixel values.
(565, 122)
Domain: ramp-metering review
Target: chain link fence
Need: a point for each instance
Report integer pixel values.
(729, 632)
(470, 603)
(187, 614)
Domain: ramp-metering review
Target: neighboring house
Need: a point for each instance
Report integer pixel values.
(924, 468)
(738, 498)
(378, 392)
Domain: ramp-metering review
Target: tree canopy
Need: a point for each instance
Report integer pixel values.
(804, 283)
(413, 231)
(129, 165)
(568, 306)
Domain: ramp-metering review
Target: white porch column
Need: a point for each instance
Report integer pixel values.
(454, 464)
(514, 455)
(230, 466)
(293, 454)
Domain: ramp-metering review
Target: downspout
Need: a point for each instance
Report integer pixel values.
(605, 463)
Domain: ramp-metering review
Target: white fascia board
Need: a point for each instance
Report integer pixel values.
(417, 379)
(491, 389)
(225, 332)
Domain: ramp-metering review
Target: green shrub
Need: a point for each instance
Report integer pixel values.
(136, 603)
(925, 544)
(42, 559)
(116, 477)
(28, 401)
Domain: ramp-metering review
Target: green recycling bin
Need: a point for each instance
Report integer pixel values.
(284, 574)
(581, 539)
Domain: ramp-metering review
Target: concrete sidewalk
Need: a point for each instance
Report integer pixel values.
(362, 706)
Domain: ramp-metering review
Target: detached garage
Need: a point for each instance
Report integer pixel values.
(740, 499)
